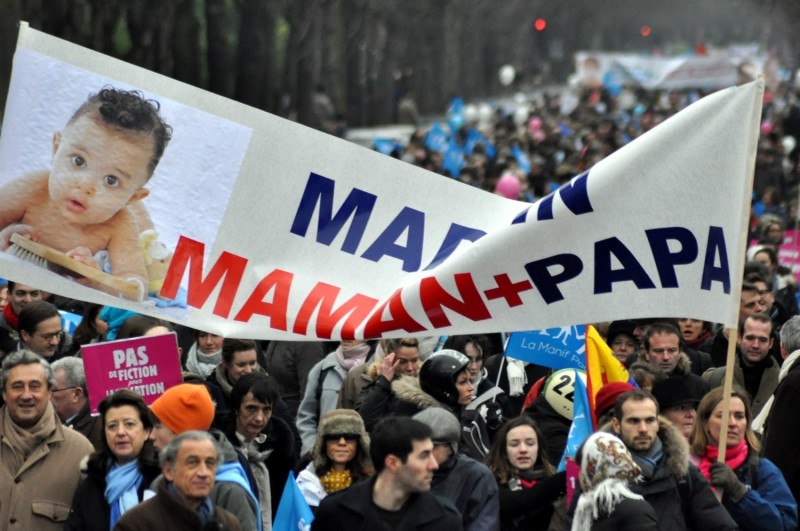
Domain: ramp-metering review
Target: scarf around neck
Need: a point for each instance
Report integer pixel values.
(336, 480)
(202, 364)
(352, 357)
(22, 442)
(11, 317)
(761, 419)
(607, 468)
(734, 457)
(122, 488)
(648, 461)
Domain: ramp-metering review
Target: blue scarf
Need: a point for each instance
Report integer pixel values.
(232, 472)
(648, 461)
(122, 488)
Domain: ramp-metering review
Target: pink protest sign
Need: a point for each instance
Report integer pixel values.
(789, 252)
(147, 365)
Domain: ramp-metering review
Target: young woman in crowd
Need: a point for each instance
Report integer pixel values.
(205, 353)
(754, 490)
(91, 329)
(265, 440)
(340, 456)
(239, 357)
(606, 501)
(529, 486)
(117, 475)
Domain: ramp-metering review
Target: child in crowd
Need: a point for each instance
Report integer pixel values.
(89, 200)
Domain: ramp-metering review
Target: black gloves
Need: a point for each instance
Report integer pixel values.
(722, 476)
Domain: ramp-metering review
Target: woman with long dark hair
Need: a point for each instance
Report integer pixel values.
(529, 485)
(340, 456)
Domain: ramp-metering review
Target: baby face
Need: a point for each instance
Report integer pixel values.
(97, 170)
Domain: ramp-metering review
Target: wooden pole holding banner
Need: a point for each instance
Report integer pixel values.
(736, 292)
(727, 387)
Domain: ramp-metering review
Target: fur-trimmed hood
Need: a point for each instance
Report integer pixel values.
(684, 365)
(676, 448)
(407, 389)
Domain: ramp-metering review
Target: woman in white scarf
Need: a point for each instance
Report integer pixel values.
(205, 354)
(607, 502)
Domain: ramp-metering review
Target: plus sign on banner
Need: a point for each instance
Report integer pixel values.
(560, 348)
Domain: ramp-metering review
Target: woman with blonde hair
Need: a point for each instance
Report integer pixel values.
(754, 491)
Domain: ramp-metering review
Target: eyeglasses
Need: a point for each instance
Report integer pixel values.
(349, 437)
(63, 389)
(52, 335)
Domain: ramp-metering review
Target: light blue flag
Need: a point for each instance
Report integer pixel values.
(437, 139)
(70, 321)
(522, 158)
(293, 512)
(557, 348)
(581, 423)
(473, 138)
(455, 115)
(386, 146)
(453, 159)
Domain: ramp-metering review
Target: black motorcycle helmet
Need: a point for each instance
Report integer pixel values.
(437, 376)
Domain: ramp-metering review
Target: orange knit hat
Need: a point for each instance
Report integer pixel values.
(184, 407)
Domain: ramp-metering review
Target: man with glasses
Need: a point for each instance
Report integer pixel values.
(40, 331)
(71, 400)
(19, 295)
(754, 370)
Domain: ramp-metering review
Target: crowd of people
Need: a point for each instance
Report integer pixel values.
(429, 432)
(408, 433)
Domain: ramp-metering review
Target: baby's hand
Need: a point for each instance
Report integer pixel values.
(17, 228)
(84, 256)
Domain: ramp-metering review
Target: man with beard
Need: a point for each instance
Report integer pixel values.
(677, 490)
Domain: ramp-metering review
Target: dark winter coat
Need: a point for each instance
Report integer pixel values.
(531, 508)
(90, 510)
(352, 509)
(472, 489)
(628, 515)
(165, 511)
(782, 434)
(403, 396)
(677, 490)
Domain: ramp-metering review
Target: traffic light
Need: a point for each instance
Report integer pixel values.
(540, 24)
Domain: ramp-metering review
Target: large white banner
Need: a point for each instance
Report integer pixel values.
(258, 227)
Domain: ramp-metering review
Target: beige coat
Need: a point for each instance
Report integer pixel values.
(40, 495)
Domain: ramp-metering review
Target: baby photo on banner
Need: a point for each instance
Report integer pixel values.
(100, 178)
